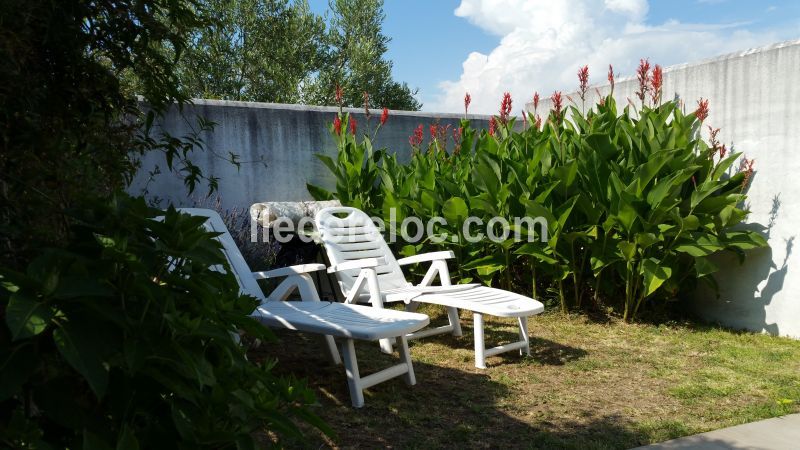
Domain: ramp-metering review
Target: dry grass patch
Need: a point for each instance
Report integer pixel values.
(586, 385)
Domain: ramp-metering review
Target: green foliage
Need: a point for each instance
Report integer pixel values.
(634, 205)
(280, 51)
(355, 49)
(254, 50)
(68, 126)
(356, 169)
(115, 331)
(125, 338)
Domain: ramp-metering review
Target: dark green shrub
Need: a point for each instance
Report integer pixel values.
(124, 338)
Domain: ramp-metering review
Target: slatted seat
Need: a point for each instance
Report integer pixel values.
(367, 272)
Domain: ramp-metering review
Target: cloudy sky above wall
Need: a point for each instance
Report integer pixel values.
(486, 47)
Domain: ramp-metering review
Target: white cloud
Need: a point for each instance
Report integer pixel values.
(544, 42)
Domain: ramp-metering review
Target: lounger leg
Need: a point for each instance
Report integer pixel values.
(523, 335)
(386, 346)
(452, 316)
(353, 378)
(480, 346)
(405, 356)
(330, 350)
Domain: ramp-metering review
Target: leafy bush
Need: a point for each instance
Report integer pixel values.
(635, 203)
(115, 330)
(125, 339)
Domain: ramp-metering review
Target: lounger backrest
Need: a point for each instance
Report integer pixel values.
(241, 270)
(349, 234)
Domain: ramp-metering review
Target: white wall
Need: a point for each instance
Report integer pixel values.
(286, 136)
(755, 99)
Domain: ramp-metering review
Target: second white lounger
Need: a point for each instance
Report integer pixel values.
(367, 271)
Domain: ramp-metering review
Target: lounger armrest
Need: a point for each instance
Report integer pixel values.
(366, 263)
(426, 257)
(287, 271)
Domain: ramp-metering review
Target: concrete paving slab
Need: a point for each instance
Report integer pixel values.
(780, 433)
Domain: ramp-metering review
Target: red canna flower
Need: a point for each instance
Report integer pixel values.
(611, 76)
(535, 101)
(338, 94)
(353, 126)
(434, 130)
(642, 74)
(583, 80)
(467, 101)
(416, 138)
(656, 81)
(337, 125)
(505, 108)
(384, 115)
(538, 123)
(556, 99)
(702, 109)
(492, 126)
(723, 151)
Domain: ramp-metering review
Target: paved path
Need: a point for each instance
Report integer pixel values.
(772, 434)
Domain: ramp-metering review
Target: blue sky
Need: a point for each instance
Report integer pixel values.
(431, 40)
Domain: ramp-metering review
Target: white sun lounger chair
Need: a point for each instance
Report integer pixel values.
(367, 271)
(345, 321)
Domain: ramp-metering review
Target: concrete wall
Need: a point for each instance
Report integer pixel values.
(755, 99)
(284, 137)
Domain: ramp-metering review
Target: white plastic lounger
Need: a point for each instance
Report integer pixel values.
(345, 321)
(368, 272)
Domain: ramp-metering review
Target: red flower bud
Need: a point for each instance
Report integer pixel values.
(702, 109)
(416, 138)
(492, 126)
(642, 74)
(656, 81)
(583, 81)
(505, 108)
(611, 76)
(337, 125)
(557, 105)
(384, 115)
(467, 101)
(353, 126)
(535, 101)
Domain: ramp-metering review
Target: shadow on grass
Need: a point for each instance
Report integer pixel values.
(448, 408)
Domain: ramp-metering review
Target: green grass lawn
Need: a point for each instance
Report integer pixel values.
(586, 385)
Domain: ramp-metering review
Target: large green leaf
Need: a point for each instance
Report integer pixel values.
(700, 245)
(655, 274)
(455, 210)
(27, 316)
(703, 266)
(80, 347)
(536, 250)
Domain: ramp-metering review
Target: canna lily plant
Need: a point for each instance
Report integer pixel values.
(635, 201)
